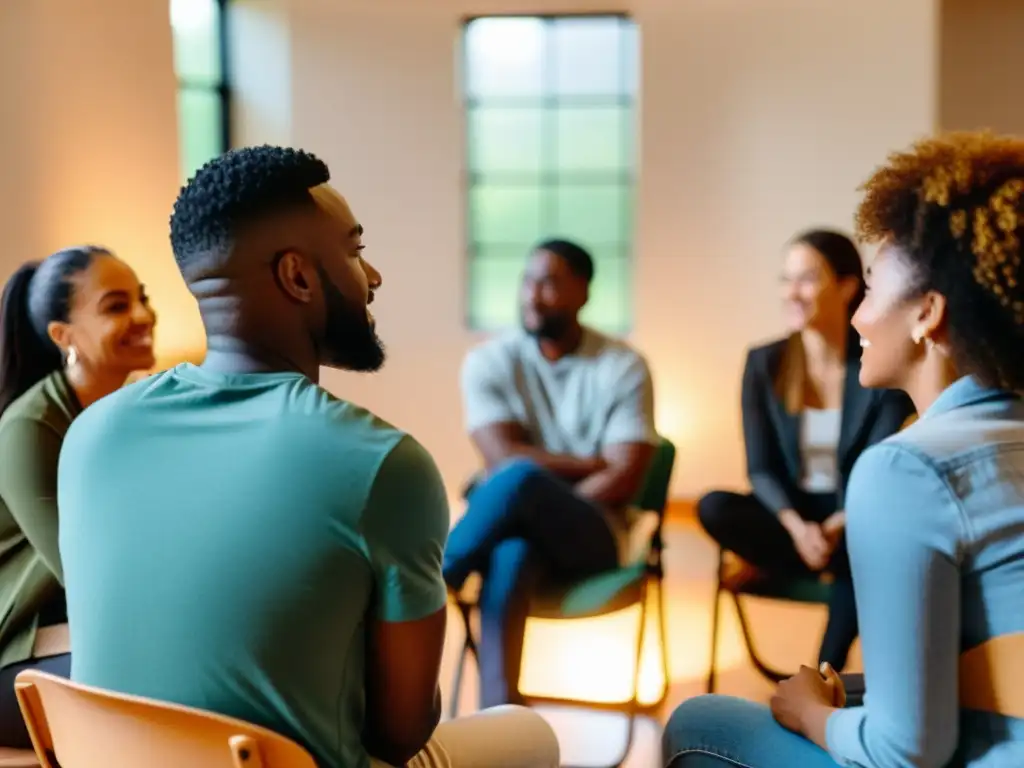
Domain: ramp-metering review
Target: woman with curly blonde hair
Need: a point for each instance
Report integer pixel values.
(935, 514)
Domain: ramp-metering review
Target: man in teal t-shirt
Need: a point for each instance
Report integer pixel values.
(234, 538)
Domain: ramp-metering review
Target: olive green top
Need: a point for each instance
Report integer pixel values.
(32, 430)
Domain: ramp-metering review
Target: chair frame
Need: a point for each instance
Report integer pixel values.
(244, 743)
(766, 670)
(653, 578)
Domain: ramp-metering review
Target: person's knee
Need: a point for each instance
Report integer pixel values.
(683, 729)
(504, 735)
(517, 480)
(716, 510)
(516, 471)
(696, 724)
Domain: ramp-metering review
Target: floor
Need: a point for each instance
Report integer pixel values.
(594, 660)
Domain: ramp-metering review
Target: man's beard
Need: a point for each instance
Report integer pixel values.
(551, 328)
(350, 341)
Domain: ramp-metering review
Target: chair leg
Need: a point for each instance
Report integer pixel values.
(633, 705)
(663, 644)
(715, 618)
(766, 671)
(468, 648)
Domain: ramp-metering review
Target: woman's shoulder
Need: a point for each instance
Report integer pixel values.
(769, 349)
(44, 405)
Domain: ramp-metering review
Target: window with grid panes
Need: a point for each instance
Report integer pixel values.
(551, 138)
(203, 94)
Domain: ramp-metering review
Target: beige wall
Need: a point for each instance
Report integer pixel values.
(757, 119)
(88, 141)
(982, 58)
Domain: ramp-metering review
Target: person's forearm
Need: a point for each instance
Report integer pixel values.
(383, 748)
(770, 491)
(790, 520)
(565, 466)
(814, 723)
(609, 488)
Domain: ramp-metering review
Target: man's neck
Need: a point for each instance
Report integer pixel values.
(231, 355)
(555, 349)
(241, 339)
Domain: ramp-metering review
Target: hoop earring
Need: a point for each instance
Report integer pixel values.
(72, 358)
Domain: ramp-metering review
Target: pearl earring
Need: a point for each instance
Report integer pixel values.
(72, 359)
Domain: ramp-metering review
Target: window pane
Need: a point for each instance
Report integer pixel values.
(588, 56)
(196, 28)
(199, 127)
(505, 140)
(596, 213)
(495, 275)
(608, 308)
(551, 141)
(630, 58)
(504, 57)
(501, 215)
(592, 138)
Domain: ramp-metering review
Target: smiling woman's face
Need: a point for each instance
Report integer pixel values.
(886, 320)
(110, 324)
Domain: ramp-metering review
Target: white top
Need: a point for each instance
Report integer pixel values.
(819, 445)
(599, 395)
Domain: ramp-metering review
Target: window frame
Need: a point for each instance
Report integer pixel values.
(548, 176)
(222, 88)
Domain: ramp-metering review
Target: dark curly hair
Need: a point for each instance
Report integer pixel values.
(575, 256)
(232, 189)
(954, 208)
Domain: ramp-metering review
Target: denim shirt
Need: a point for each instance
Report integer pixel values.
(935, 531)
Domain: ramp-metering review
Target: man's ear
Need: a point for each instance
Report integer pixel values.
(60, 334)
(296, 276)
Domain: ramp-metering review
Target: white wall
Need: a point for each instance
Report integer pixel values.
(88, 141)
(758, 119)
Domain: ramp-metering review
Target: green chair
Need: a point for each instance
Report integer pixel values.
(600, 595)
(797, 590)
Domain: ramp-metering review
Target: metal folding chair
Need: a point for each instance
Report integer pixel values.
(600, 595)
(798, 590)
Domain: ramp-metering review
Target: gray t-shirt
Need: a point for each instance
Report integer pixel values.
(599, 395)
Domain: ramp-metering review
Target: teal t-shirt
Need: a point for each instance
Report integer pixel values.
(226, 538)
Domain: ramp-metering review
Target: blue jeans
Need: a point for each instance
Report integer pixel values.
(723, 731)
(523, 524)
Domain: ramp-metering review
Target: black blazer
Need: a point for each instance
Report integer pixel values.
(772, 433)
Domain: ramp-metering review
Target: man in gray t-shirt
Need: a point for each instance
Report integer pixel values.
(563, 417)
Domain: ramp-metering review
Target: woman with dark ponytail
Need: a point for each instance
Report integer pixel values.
(72, 329)
(806, 419)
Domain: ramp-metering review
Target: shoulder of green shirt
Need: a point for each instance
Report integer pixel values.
(41, 405)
